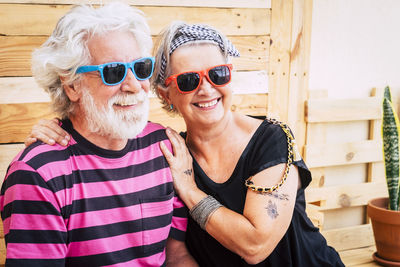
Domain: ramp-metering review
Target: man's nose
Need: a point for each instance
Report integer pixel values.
(131, 83)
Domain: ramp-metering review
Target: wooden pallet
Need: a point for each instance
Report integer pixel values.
(338, 208)
(358, 257)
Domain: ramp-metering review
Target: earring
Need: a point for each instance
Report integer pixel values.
(171, 106)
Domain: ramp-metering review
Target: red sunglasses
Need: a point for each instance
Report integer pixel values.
(190, 81)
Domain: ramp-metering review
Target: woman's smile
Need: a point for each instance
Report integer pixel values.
(207, 104)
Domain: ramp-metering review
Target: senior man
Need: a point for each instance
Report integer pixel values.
(107, 197)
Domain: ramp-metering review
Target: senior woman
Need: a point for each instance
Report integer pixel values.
(240, 176)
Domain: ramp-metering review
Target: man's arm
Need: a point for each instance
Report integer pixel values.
(178, 255)
(34, 229)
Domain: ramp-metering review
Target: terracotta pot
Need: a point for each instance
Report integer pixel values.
(386, 227)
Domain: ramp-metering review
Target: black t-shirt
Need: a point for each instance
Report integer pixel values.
(302, 244)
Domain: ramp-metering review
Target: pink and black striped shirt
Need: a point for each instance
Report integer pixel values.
(82, 205)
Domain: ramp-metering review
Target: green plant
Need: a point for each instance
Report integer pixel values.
(390, 138)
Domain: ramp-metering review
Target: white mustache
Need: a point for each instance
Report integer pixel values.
(128, 98)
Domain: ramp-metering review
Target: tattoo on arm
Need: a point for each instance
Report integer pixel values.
(272, 210)
(276, 195)
(188, 172)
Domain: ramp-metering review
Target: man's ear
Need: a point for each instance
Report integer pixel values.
(164, 93)
(73, 92)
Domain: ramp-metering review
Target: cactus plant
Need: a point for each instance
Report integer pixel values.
(390, 138)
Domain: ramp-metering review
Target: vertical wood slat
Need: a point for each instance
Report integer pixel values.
(289, 63)
(299, 66)
(316, 134)
(315, 215)
(279, 63)
(375, 169)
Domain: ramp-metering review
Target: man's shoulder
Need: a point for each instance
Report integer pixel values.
(35, 164)
(151, 129)
(39, 153)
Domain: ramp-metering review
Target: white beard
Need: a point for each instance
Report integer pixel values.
(105, 121)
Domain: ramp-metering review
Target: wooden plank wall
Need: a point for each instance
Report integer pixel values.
(26, 24)
(355, 241)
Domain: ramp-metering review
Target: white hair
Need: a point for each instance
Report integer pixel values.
(66, 49)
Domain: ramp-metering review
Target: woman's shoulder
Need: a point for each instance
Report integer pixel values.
(272, 133)
(252, 124)
(268, 142)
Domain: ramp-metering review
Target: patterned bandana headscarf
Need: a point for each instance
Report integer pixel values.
(193, 33)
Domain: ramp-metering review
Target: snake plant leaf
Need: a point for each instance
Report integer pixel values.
(387, 94)
(390, 137)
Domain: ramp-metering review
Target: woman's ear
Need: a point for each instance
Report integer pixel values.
(73, 92)
(164, 92)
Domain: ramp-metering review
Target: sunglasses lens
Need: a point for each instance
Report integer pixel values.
(220, 75)
(188, 81)
(143, 68)
(113, 73)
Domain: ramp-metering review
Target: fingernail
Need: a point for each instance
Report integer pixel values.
(64, 142)
(51, 141)
(67, 137)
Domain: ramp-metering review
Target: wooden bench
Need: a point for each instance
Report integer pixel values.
(338, 206)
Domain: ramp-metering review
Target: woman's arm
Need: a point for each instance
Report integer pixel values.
(266, 217)
(49, 132)
(265, 220)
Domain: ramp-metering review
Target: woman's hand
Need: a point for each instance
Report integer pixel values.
(49, 132)
(180, 163)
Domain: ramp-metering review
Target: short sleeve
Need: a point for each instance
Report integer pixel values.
(34, 228)
(179, 220)
(270, 148)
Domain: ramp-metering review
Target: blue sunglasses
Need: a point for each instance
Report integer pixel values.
(114, 73)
